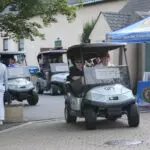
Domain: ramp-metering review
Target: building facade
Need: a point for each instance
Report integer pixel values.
(69, 33)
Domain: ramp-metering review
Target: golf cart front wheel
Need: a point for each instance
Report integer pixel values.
(133, 115)
(33, 99)
(90, 118)
(68, 117)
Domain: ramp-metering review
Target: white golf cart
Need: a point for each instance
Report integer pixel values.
(100, 91)
(53, 71)
(19, 85)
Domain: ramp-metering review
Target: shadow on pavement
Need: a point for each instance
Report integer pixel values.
(80, 125)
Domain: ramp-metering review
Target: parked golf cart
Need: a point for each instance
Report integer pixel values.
(19, 85)
(99, 91)
(53, 72)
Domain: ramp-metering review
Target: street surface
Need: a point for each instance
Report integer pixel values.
(48, 107)
(57, 135)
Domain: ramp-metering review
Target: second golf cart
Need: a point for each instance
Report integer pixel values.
(98, 90)
(53, 71)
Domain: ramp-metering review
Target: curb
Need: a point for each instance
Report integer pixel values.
(15, 127)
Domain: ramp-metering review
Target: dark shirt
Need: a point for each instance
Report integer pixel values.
(45, 67)
(75, 72)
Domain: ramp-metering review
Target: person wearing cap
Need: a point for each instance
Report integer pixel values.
(3, 88)
(105, 61)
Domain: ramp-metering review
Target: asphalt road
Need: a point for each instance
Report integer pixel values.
(48, 107)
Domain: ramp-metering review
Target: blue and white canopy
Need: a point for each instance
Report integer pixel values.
(138, 32)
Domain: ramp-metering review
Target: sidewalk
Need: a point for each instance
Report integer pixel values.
(57, 135)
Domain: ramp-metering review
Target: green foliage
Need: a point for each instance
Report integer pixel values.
(87, 29)
(16, 24)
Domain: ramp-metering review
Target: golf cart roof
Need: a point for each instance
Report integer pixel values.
(98, 48)
(11, 53)
(53, 51)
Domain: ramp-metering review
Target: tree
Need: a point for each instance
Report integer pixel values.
(87, 29)
(16, 23)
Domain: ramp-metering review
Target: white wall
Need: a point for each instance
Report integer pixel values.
(101, 28)
(132, 62)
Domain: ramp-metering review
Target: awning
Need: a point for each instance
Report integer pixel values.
(138, 32)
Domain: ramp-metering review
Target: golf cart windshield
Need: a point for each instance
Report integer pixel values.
(59, 67)
(18, 72)
(13, 58)
(106, 75)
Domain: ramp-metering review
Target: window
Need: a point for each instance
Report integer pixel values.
(21, 45)
(5, 44)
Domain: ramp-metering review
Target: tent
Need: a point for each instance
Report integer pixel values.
(138, 32)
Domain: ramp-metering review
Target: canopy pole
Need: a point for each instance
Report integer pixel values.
(125, 49)
(120, 55)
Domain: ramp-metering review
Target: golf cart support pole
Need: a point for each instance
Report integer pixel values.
(125, 55)
(82, 59)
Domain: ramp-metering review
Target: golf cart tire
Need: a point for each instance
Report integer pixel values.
(90, 118)
(68, 117)
(33, 99)
(39, 91)
(133, 115)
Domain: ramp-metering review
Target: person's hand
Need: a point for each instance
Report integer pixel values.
(76, 77)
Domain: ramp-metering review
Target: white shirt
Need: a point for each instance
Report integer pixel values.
(3, 77)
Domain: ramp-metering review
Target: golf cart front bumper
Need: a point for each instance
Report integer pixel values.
(109, 105)
(21, 90)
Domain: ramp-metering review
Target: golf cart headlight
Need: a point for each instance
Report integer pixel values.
(30, 85)
(13, 86)
(130, 95)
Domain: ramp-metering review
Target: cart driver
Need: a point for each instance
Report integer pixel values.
(12, 62)
(76, 70)
(46, 71)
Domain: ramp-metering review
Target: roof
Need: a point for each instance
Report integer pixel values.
(11, 53)
(136, 5)
(143, 14)
(117, 20)
(53, 52)
(132, 12)
(95, 48)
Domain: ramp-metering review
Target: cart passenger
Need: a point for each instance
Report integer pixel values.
(105, 61)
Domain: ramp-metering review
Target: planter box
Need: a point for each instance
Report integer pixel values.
(14, 113)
